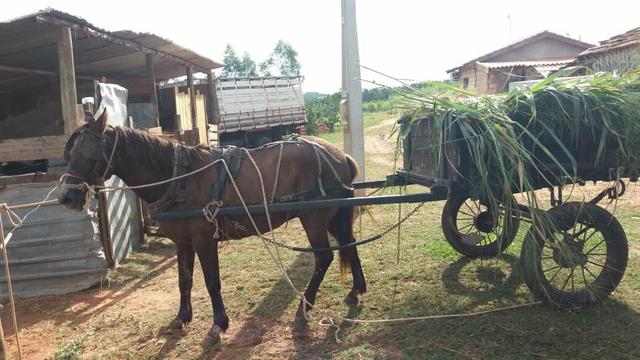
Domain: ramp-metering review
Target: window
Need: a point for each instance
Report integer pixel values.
(465, 83)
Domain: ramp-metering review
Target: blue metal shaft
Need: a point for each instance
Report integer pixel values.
(306, 205)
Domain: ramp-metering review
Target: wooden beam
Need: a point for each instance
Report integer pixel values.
(37, 72)
(37, 177)
(21, 70)
(192, 100)
(153, 94)
(68, 92)
(35, 148)
(213, 106)
(105, 36)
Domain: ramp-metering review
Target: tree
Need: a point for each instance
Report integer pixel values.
(283, 61)
(248, 66)
(235, 66)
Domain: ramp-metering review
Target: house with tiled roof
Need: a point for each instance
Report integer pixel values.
(531, 58)
(618, 54)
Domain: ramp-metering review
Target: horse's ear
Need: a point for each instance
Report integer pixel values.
(101, 122)
(88, 117)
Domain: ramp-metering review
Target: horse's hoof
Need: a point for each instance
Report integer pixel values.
(351, 300)
(212, 338)
(177, 324)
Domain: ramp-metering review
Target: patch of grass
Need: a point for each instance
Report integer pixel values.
(73, 348)
(439, 248)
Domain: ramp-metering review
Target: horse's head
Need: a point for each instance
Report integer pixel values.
(86, 159)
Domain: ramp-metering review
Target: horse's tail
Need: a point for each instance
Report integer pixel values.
(341, 226)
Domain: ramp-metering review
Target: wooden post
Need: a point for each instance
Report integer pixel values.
(68, 92)
(214, 107)
(105, 228)
(153, 94)
(351, 104)
(97, 96)
(192, 102)
(4, 351)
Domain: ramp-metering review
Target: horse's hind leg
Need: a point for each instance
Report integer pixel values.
(186, 257)
(359, 282)
(316, 228)
(341, 228)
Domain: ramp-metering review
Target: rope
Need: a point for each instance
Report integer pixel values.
(329, 322)
(7, 274)
(277, 176)
(353, 244)
(399, 230)
(116, 188)
(276, 258)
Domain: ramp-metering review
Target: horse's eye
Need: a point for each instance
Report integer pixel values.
(90, 149)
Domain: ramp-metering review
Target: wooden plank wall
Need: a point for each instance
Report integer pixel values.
(183, 109)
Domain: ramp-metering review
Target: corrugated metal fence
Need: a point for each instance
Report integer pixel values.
(56, 251)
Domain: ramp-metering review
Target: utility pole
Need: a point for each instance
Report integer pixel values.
(351, 104)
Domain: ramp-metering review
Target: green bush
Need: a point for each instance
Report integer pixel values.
(323, 111)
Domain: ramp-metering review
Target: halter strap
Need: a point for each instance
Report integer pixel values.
(113, 152)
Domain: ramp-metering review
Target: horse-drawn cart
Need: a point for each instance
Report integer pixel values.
(488, 168)
(575, 260)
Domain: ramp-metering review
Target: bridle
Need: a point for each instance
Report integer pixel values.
(113, 151)
(95, 172)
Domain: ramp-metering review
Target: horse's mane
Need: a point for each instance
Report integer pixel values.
(150, 149)
(155, 150)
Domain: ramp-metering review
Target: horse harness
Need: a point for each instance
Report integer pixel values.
(233, 156)
(176, 193)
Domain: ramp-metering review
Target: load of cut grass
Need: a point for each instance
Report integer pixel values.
(559, 131)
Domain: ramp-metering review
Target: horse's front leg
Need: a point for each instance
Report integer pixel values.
(207, 250)
(186, 257)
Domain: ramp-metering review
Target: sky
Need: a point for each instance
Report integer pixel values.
(407, 39)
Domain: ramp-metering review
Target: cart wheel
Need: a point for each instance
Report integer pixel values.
(469, 227)
(582, 260)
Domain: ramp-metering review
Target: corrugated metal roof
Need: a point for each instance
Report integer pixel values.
(629, 38)
(30, 42)
(535, 63)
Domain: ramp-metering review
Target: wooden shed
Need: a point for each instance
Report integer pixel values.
(49, 62)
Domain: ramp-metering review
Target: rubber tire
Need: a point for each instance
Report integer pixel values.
(454, 237)
(564, 217)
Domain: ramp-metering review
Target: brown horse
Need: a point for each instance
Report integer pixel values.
(95, 150)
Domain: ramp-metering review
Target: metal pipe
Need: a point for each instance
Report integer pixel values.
(305, 205)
